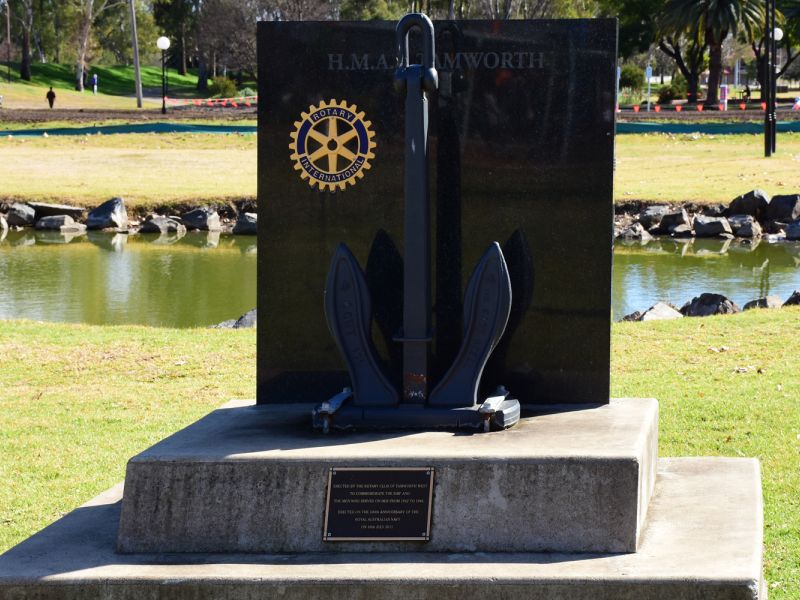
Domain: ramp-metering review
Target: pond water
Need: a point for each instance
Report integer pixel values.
(675, 271)
(99, 278)
(201, 279)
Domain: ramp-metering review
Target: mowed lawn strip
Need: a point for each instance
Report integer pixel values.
(157, 169)
(145, 169)
(77, 401)
(703, 168)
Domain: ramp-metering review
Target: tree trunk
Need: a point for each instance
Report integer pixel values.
(27, 30)
(37, 40)
(790, 58)
(202, 76)
(25, 63)
(690, 72)
(692, 87)
(83, 43)
(182, 67)
(137, 73)
(759, 62)
(714, 72)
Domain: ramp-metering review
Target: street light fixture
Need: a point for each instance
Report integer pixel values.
(163, 45)
(769, 88)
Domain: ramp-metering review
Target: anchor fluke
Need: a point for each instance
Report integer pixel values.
(487, 304)
(348, 310)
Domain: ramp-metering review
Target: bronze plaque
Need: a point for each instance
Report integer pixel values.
(378, 504)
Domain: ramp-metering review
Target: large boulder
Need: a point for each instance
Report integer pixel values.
(162, 225)
(203, 219)
(44, 209)
(794, 299)
(226, 324)
(773, 226)
(661, 311)
(765, 302)
(706, 305)
(246, 224)
(682, 231)
(711, 226)
(715, 210)
(793, 231)
(248, 319)
(750, 230)
(752, 203)
(784, 208)
(674, 219)
(111, 214)
(651, 216)
(738, 221)
(54, 223)
(20, 215)
(635, 232)
(634, 316)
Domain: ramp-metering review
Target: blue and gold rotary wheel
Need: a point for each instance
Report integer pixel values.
(332, 145)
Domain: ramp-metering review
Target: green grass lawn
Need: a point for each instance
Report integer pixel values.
(677, 168)
(152, 170)
(116, 88)
(77, 401)
(33, 97)
(145, 169)
(113, 80)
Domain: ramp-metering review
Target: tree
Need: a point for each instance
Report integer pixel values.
(88, 11)
(25, 19)
(177, 18)
(367, 10)
(498, 9)
(788, 18)
(54, 26)
(791, 34)
(638, 24)
(713, 21)
(112, 34)
(631, 77)
(688, 52)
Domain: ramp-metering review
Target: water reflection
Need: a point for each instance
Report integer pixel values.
(204, 278)
(114, 242)
(677, 270)
(196, 279)
(56, 237)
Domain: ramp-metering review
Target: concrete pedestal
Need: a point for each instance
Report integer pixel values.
(250, 478)
(232, 506)
(702, 541)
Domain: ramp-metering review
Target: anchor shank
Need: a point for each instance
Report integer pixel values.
(417, 271)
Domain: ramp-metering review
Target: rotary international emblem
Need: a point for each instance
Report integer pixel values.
(332, 145)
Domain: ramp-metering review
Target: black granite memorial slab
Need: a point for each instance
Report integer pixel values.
(521, 144)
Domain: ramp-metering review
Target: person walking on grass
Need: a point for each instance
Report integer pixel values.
(51, 97)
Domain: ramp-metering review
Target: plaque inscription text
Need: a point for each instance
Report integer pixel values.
(378, 504)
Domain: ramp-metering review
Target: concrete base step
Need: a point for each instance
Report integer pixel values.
(253, 478)
(703, 540)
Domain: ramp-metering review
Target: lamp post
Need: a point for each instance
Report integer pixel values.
(777, 36)
(163, 45)
(769, 75)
